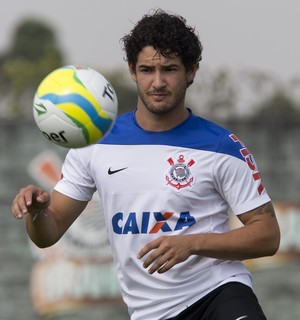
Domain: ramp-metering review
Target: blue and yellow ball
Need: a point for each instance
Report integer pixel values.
(75, 106)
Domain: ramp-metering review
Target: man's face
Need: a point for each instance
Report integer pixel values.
(161, 81)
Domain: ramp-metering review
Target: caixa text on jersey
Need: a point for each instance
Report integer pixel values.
(151, 222)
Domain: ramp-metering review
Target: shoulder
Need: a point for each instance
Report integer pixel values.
(218, 138)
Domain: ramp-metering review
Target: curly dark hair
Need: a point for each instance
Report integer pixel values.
(168, 34)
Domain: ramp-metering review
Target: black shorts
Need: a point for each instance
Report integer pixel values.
(231, 301)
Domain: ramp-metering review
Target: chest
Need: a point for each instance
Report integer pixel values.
(154, 168)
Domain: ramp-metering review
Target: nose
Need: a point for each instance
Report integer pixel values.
(158, 80)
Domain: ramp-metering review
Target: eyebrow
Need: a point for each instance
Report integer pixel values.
(171, 65)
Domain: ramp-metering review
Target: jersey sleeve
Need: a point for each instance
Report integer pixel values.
(237, 176)
(76, 181)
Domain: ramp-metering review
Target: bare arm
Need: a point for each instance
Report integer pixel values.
(47, 217)
(258, 237)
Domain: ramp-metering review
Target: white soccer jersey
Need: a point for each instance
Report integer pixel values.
(176, 182)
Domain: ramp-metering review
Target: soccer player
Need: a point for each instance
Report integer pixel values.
(167, 179)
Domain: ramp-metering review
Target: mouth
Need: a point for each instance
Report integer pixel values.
(158, 96)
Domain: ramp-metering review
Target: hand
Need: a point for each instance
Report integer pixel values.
(167, 251)
(30, 199)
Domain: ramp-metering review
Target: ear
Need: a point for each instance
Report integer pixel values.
(132, 72)
(191, 74)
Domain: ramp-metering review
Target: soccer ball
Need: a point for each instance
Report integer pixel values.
(75, 106)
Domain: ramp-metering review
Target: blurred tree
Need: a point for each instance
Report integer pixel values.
(260, 82)
(32, 39)
(222, 95)
(215, 94)
(33, 54)
(248, 93)
(278, 106)
(258, 86)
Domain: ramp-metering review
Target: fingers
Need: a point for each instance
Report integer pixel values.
(165, 252)
(160, 265)
(29, 199)
(19, 205)
(148, 247)
(163, 257)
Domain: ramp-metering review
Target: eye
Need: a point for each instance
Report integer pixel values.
(171, 69)
(145, 70)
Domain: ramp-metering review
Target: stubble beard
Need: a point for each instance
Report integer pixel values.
(166, 107)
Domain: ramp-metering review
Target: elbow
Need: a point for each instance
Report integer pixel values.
(42, 244)
(272, 251)
(274, 244)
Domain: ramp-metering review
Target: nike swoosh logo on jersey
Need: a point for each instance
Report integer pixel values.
(243, 317)
(115, 171)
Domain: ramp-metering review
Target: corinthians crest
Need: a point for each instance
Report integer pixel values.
(179, 175)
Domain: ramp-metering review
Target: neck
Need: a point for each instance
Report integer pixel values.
(160, 122)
